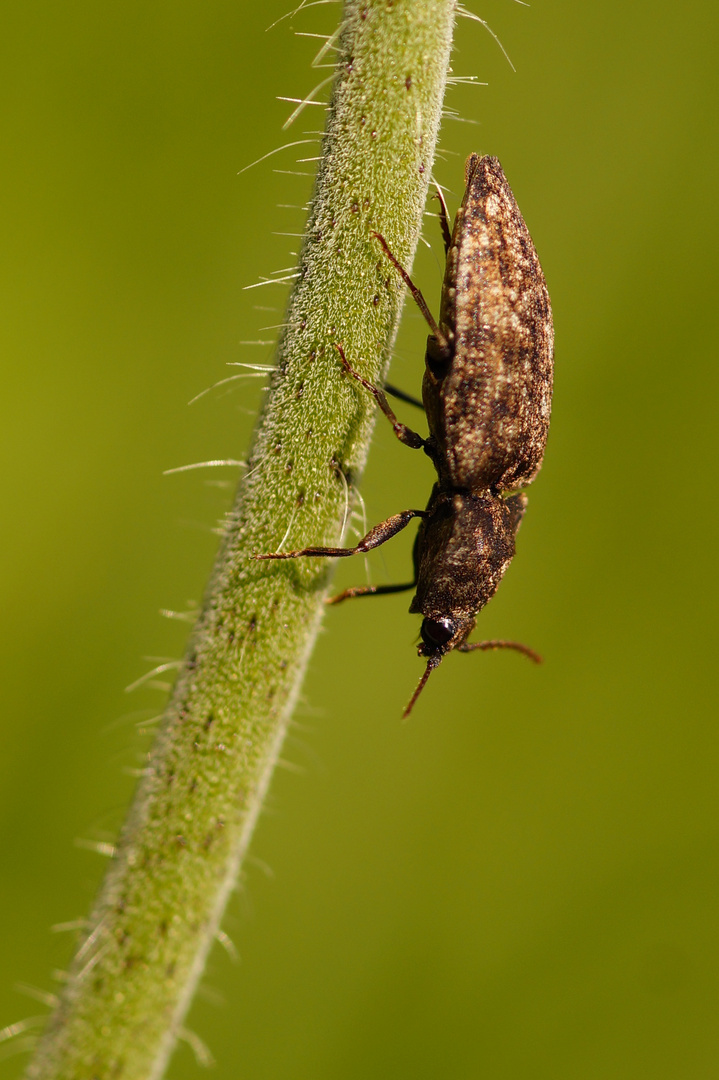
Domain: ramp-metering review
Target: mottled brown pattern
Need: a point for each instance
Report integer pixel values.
(487, 393)
(463, 547)
(488, 401)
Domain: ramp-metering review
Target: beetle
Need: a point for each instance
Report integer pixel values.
(486, 392)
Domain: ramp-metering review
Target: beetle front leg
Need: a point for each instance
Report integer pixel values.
(418, 298)
(374, 538)
(444, 220)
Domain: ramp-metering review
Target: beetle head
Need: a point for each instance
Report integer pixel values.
(439, 636)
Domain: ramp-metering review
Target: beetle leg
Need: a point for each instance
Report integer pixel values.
(403, 433)
(402, 396)
(374, 538)
(418, 298)
(444, 219)
(369, 590)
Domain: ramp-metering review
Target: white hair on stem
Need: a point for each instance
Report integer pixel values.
(296, 11)
(308, 100)
(227, 944)
(260, 373)
(71, 926)
(465, 80)
(465, 13)
(34, 992)
(453, 114)
(283, 541)
(330, 43)
(99, 847)
(347, 499)
(11, 1036)
(205, 465)
(202, 1053)
(181, 616)
(273, 280)
(170, 665)
(277, 150)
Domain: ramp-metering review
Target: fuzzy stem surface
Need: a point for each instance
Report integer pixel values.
(180, 851)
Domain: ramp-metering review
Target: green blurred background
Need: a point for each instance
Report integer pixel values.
(521, 881)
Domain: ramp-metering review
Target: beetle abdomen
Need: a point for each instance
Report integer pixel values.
(489, 407)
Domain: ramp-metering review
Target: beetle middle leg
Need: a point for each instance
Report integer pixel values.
(374, 538)
(402, 396)
(403, 433)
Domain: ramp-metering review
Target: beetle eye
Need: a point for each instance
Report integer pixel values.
(437, 632)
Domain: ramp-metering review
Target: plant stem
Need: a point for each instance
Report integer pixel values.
(180, 851)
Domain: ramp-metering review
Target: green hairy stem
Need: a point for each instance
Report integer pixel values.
(180, 851)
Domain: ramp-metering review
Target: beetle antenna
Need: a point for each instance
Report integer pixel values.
(432, 663)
